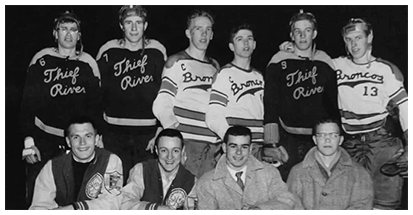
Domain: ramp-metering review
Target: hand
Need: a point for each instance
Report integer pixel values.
(100, 142)
(287, 47)
(164, 207)
(151, 144)
(33, 157)
(274, 154)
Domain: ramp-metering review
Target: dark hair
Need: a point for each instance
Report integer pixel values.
(80, 120)
(234, 30)
(303, 16)
(169, 132)
(237, 130)
(198, 13)
(324, 121)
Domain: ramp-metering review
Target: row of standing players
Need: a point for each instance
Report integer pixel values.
(139, 91)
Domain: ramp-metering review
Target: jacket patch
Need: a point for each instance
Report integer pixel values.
(93, 186)
(177, 198)
(114, 184)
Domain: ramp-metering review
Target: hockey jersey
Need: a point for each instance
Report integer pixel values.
(364, 90)
(299, 91)
(237, 99)
(56, 89)
(184, 96)
(130, 82)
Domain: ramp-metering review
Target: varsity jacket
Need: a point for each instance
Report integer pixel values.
(100, 189)
(237, 99)
(144, 189)
(364, 91)
(263, 188)
(184, 96)
(298, 92)
(349, 187)
(130, 83)
(56, 89)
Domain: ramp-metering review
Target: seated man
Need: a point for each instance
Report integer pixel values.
(83, 178)
(240, 181)
(327, 178)
(163, 183)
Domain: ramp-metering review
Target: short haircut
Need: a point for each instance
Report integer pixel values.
(237, 130)
(170, 132)
(234, 30)
(325, 121)
(198, 13)
(81, 119)
(303, 16)
(352, 26)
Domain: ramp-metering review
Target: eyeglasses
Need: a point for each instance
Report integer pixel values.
(65, 30)
(325, 135)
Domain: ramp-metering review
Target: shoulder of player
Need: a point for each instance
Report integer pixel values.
(87, 58)
(214, 63)
(392, 67)
(280, 56)
(154, 44)
(41, 53)
(182, 55)
(108, 45)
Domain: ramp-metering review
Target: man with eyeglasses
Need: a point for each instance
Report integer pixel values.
(301, 88)
(61, 82)
(327, 178)
(131, 70)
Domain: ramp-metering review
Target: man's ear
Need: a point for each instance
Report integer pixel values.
(68, 142)
(370, 38)
(231, 46)
(156, 150)
(315, 32)
(341, 140)
(314, 139)
(121, 26)
(145, 26)
(291, 36)
(55, 34)
(224, 147)
(97, 136)
(188, 33)
(183, 156)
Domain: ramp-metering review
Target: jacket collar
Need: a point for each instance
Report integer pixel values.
(221, 170)
(310, 160)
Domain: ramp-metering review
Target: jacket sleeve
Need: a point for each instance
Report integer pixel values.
(133, 191)
(164, 103)
(206, 199)
(271, 118)
(362, 192)
(279, 196)
(44, 190)
(110, 196)
(215, 115)
(294, 183)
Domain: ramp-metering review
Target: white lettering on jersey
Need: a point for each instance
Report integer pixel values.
(293, 79)
(59, 75)
(124, 66)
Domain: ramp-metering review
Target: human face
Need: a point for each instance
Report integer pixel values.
(169, 152)
(357, 44)
(82, 139)
(243, 43)
(67, 35)
(328, 139)
(237, 151)
(133, 28)
(303, 34)
(200, 33)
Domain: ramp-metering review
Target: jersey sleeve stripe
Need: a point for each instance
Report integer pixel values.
(218, 98)
(185, 113)
(350, 115)
(245, 122)
(351, 129)
(399, 96)
(168, 86)
(214, 91)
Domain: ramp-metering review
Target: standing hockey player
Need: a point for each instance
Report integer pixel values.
(366, 85)
(301, 88)
(131, 76)
(184, 95)
(61, 82)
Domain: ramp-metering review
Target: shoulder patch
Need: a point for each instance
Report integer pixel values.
(175, 58)
(108, 45)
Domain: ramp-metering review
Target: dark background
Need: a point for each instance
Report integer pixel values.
(29, 29)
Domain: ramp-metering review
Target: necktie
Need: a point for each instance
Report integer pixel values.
(239, 181)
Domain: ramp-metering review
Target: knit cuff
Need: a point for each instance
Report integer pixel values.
(151, 206)
(271, 133)
(82, 205)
